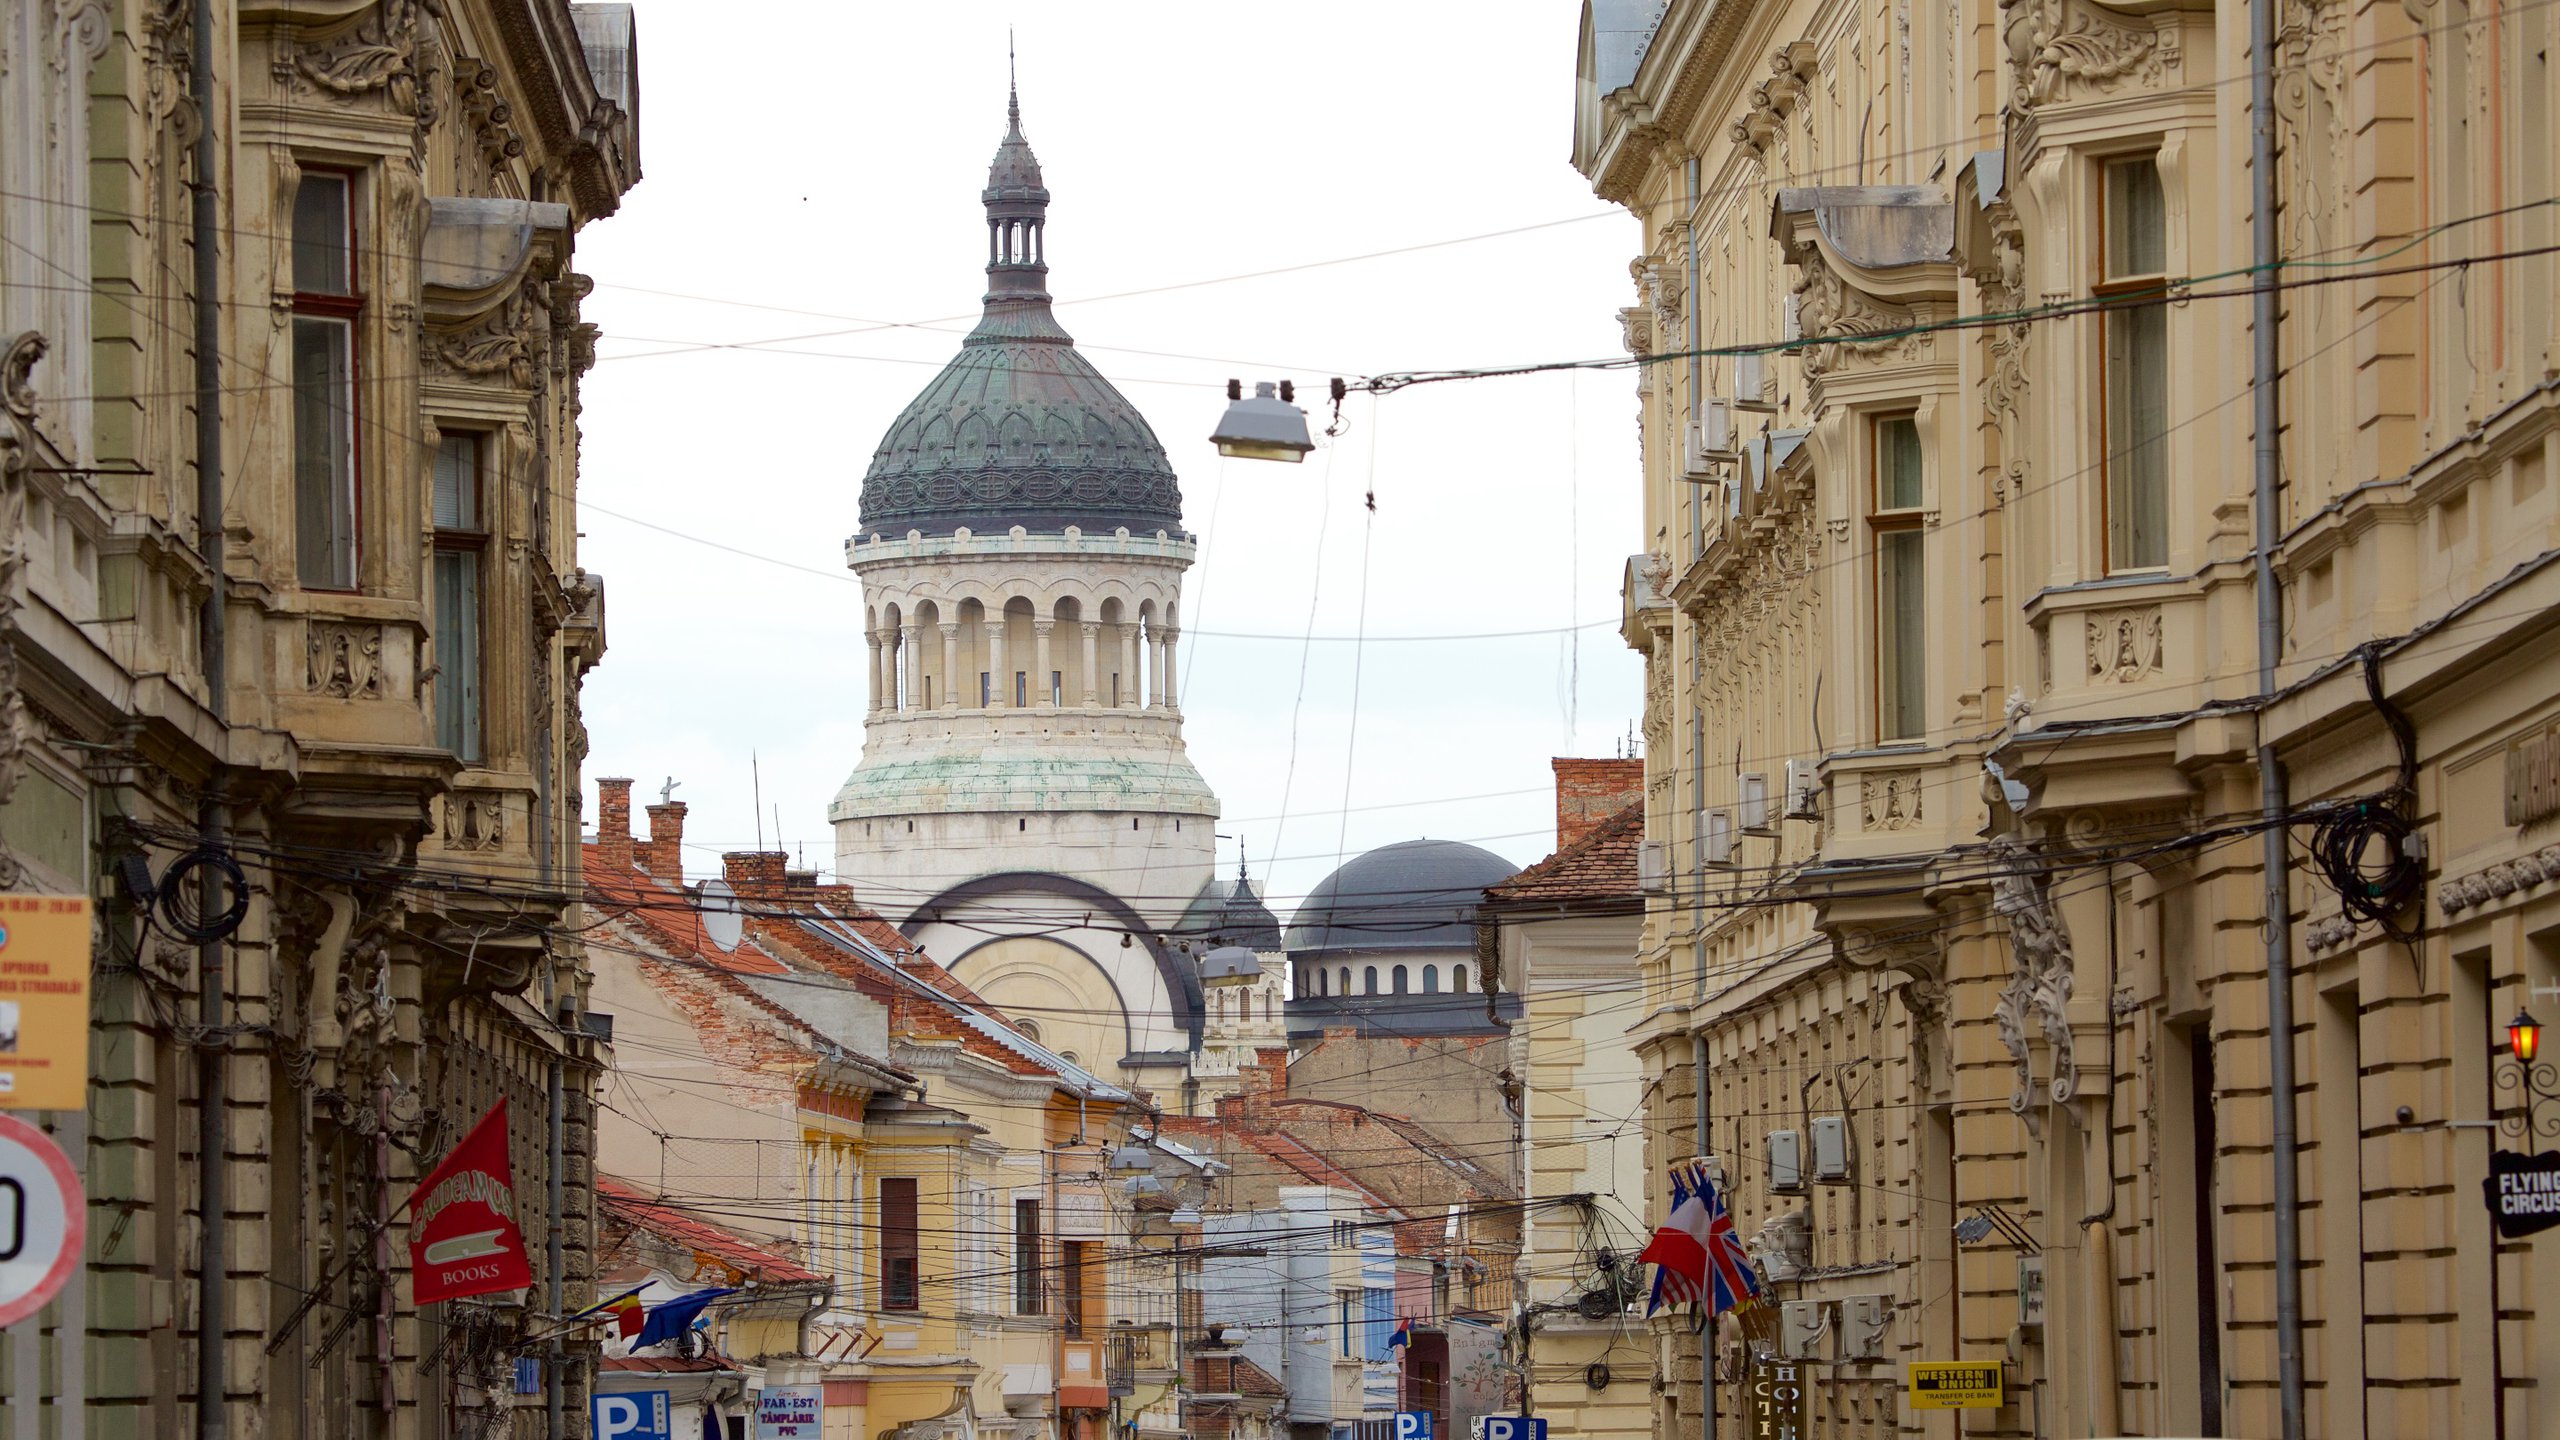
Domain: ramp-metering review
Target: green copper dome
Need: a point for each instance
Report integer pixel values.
(1019, 429)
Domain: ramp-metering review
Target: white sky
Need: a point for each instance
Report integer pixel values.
(827, 157)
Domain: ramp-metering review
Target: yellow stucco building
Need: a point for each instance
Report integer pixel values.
(1957, 962)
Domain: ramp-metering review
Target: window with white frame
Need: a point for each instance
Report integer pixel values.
(1901, 590)
(2132, 274)
(461, 545)
(326, 307)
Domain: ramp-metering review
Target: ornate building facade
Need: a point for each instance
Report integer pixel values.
(1024, 806)
(1956, 790)
(291, 589)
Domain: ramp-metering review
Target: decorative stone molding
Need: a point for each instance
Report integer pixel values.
(2059, 45)
(487, 115)
(1635, 330)
(1891, 799)
(1791, 72)
(2040, 979)
(2125, 645)
(2498, 882)
(2329, 932)
(475, 820)
(1830, 308)
(344, 660)
(502, 345)
(17, 443)
(382, 52)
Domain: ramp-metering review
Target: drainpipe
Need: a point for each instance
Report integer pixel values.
(213, 1140)
(2266, 358)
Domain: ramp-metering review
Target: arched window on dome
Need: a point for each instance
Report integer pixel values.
(1458, 979)
(1030, 1030)
(1368, 979)
(1399, 979)
(1430, 979)
(1342, 980)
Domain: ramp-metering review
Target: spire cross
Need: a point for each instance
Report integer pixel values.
(1012, 84)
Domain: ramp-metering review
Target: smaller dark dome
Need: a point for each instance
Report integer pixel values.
(1229, 913)
(1415, 895)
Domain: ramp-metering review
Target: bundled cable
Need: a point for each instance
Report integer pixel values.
(2367, 851)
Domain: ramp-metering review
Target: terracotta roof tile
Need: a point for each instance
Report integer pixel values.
(628, 1204)
(1602, 865)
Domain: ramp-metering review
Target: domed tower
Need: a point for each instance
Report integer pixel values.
(1386, 945)
(1021, 554)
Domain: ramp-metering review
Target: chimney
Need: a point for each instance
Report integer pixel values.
(613, 820)
(1590, 791)
(755, 874)
(663, 854)
(800, 884)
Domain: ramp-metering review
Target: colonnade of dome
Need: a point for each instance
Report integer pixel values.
(978, 649)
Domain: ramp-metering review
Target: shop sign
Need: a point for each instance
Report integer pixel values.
(790, 1412)
(1777, 1399)
(2523, 1192)
(44, 1002)
(1956, 1385)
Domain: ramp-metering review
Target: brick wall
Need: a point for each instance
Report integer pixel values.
(1590, 791)
(613, 820)
(662, 854)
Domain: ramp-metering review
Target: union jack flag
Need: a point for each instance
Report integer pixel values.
(1732, 1282)
(1696, 1253)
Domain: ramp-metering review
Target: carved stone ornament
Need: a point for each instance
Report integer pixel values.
(1890, 800)
(2059, 44)
(17, 442)
(2041, 976)
(1830, 308)
(475, 820)
(382, 52)
(488, 116)
(2125, 645)
(1635, 330)
(503, 345)
(1791, 72)
(345, 660)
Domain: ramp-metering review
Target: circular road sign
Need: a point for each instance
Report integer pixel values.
(44, 1222)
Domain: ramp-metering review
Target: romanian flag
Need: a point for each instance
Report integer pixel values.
(626, 1313)
(1403, 1335)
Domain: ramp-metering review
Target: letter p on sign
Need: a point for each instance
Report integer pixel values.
(639, 1415)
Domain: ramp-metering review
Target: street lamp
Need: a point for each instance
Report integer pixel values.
(1265, 427)
(2535, 1081)
(2524, 1037)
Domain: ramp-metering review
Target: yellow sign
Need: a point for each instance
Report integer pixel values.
(1955, 1384)
(44, 1002)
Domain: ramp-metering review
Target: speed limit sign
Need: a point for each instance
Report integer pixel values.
(44, 1222)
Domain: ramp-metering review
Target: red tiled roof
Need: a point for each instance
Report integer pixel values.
(626, 1203)
(1602, 865)
(663, 1364)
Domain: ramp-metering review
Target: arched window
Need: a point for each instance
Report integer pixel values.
(1368, 979)
(1399, 979)
(1030, 1030)
(1430, 979)
(1458, 979)
(1342, 980)
(1266, 1008)
(1321, 977)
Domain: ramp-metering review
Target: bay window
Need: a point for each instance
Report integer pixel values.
(325, 310)
(2133, 268)
(461, 544)
(1901, 592)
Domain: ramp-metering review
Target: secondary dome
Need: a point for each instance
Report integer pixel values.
(1019, 429)
(1415, 895)
(1228, 912)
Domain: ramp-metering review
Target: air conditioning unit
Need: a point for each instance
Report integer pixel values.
(1714, 1166)
(1716, 843)
(1784, 1152)
(1831, 1149)
(1714, 430)
(1653, 867)
(1804, 790)
(1755, 804)
(1752, 383)
(1863, 1322)
(1804, 1327)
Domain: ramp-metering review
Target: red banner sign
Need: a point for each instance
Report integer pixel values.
(464, 1240)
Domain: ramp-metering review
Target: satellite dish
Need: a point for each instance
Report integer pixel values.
(722, 925)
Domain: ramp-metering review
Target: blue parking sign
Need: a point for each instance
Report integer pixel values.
(1413, 1425)
(631, 1415)
(1510, 1427)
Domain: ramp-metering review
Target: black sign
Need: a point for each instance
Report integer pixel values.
(2523, 1191)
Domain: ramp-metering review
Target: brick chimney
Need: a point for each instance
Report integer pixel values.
(1590, 791)
(663, 854)
(755, 874)
(613, 819)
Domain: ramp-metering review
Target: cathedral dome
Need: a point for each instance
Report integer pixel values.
(1019, 429)
(1417, 895)
(1230, 913)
